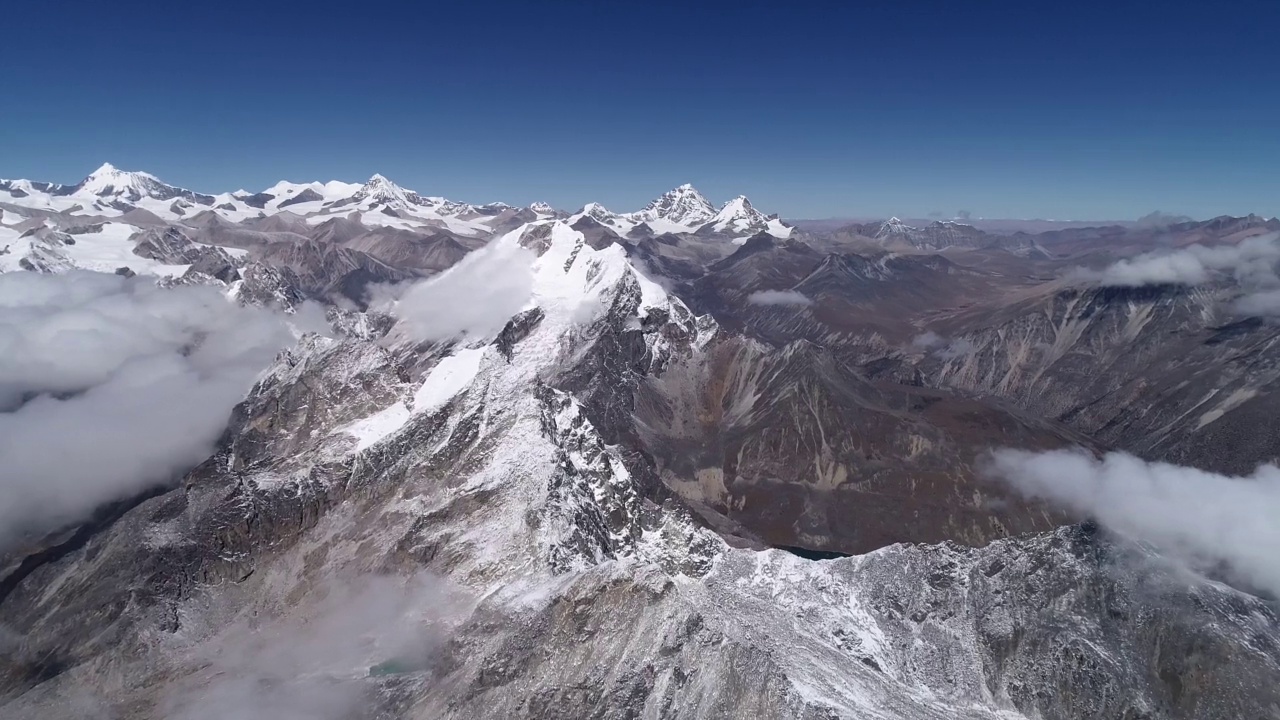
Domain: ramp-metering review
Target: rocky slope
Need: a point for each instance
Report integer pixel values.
(637, 495)
(492, 505)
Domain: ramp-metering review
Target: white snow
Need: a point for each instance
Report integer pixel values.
(103, 251)
(109, 179)
(683, 206)
(368, 431)
(448, 378)
(776, 228)
(679, 211)
(739, 216)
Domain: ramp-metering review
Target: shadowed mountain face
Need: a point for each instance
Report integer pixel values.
(807, 451)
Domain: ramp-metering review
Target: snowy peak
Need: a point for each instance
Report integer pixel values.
(379, 189)
(108, 180)
(684, 206)
(113, 183)
(600, 214)
(894, 226)
(739, 217)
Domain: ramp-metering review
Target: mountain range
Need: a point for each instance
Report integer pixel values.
(686, 461)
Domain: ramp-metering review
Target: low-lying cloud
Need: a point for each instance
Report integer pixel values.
(474, 298)
(1202, 518)
(109, 385)
(314, 662)
(1266, 304)
(1252, 263)
(778, 297)
(945, 348)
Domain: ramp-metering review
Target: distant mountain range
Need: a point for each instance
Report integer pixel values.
(111, 192)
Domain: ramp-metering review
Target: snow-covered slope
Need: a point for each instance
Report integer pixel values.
(621, 224)
(109, 182)
(739, 217)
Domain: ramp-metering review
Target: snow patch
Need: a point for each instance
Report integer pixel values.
(449, 377)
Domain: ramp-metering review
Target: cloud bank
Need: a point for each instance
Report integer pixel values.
(314, 664)
(947, 349)
(1199, 517)
(109, 385)
(474, 298)
(778, 297)
(1252, 263)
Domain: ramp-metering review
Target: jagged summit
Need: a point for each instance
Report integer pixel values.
(739, 216)
(683, 205)
(379, 189)
(894, 226)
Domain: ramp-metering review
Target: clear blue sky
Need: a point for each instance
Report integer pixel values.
(813, 109)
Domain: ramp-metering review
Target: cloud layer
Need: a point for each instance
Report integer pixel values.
(778, 297)
(947, 349)
(474, 298)
(1200, 517)
(1252, 263)
(312, 663)
(109, 385)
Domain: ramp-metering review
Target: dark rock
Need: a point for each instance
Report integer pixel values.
(307, 195)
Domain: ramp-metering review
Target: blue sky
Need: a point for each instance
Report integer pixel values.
(813, 109)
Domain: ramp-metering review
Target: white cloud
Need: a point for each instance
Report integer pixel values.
(778, 297)
(941, 346)
(1265, 303)
(312, 663)
(1252, 262)
(474, 298)
(1200, 517)
(109, 385)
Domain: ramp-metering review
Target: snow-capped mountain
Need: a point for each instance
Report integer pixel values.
(937, 235)
(597, 213)
(378, 190)
(893, 226)
(109, 192)
(739, 217)
(684, 206)
(109, 182)
(574, 479)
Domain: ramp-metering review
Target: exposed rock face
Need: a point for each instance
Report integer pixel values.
(307, 195)
(804, 451)
(683, 205)
(326, 271)
(1164, 371)
(47, 251)
(171, 246)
